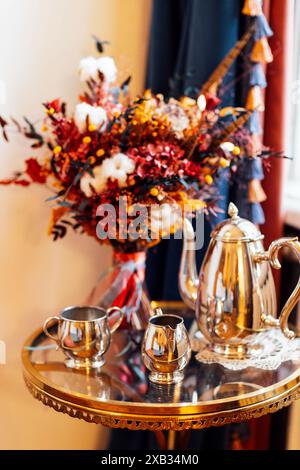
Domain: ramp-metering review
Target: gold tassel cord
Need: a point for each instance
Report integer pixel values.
(217, 76)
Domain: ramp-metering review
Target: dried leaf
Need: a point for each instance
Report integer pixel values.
(100, 44)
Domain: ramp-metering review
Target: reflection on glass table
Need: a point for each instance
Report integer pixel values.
(120, 394)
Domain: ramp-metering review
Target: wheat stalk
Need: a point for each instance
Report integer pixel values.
(219, 73)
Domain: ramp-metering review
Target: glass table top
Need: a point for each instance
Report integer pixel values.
(122, 383)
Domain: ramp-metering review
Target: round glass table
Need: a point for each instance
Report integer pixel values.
(119, 395)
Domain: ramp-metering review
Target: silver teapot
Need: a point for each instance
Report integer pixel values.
(234, 295)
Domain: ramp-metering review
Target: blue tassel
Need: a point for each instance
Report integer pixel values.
(257, 215)
(250, 169)
(247, 170)
(262, 28)
(255, 170)
(248, 210)
(253, 123)
(257, 76)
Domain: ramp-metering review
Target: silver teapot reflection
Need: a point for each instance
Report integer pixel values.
(166, 348)
(234, 295)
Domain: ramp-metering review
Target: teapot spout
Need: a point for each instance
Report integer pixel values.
(188, 276)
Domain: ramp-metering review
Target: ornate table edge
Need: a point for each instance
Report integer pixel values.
(163, 423)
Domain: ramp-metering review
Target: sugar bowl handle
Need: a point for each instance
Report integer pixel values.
(45, 327)
(272, 256)
(111, 312)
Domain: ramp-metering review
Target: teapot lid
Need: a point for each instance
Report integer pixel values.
(236, 229)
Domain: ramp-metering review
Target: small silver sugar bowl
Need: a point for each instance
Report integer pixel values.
(84, 334)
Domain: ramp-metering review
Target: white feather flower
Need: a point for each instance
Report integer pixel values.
(227, 146)
(97, 116)
(176, 115)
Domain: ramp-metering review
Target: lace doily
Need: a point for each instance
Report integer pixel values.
(270, 349)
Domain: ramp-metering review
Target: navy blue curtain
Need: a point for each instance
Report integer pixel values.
(188, 40)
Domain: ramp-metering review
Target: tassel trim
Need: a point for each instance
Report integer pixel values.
(256, 194)
(255, 100)
(262, 28)
(257, 76)
(253, 124)
(262, 52)
(256, 149)
(252, 8)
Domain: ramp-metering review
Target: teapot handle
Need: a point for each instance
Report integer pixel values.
(272, 256)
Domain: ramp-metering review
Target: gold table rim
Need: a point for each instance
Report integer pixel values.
(143, 410)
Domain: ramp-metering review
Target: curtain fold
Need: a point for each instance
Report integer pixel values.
(280, 17)
(182, 55)
(188, 40)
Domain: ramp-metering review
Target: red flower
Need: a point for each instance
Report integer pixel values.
(212, 101)
(35, 171)
(55, 104)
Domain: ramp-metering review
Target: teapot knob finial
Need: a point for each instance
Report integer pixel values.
(233, 210)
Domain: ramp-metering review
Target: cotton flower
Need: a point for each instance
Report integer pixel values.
(88, 183)
(97, 116)
(90, 66)
(107, 66)
(88, 69)
(165, 218)
(118, 167)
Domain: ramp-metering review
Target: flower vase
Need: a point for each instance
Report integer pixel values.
(123, 285)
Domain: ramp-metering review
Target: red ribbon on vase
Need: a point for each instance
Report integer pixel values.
(122, 286)
(128, 279)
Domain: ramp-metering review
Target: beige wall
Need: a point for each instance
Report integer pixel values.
(41, 43)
